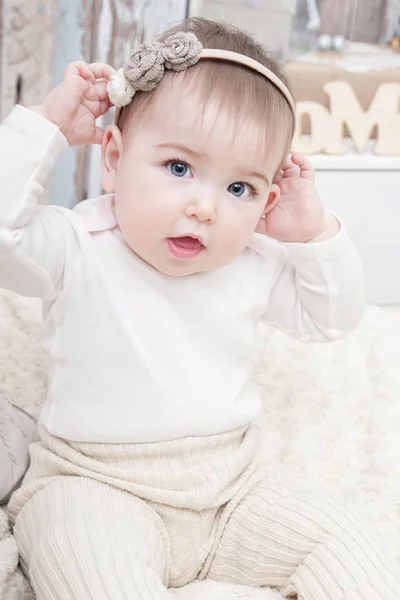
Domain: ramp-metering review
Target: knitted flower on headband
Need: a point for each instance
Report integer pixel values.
(120, 91)
(181, 51)
(146, 66)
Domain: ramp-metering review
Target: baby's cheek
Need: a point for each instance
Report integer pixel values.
(141, 227)
(233, 240)
(125, 216)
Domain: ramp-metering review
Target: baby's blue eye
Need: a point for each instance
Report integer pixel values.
(240, 190)
(178, 169)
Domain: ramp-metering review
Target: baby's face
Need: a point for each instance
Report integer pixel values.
(189, 189)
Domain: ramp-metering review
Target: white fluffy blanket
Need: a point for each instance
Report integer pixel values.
(332, 411)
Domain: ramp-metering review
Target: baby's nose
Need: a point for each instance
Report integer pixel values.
(202, 208)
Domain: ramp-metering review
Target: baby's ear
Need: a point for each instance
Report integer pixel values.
(111, 152)
(272, 201)
(273, 198)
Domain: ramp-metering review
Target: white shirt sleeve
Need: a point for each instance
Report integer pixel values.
(35, 241)
(318, 291)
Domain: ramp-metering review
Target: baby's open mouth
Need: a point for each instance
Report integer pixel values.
(185, 246)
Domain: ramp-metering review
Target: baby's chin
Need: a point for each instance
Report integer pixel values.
(176, 269)
(179, 271)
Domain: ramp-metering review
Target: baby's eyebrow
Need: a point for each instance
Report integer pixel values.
(181, 148)
(255, 174)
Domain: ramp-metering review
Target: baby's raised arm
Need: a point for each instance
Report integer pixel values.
(38, 245)
(318, 291)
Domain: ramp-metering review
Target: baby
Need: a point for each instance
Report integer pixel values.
(146, 476)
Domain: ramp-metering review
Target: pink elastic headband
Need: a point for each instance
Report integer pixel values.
(242, 59)
(145, 68)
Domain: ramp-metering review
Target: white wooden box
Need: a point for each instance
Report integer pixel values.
(364, 190)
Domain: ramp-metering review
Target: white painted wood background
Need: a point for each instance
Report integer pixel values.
(38, 38)
(26, 43)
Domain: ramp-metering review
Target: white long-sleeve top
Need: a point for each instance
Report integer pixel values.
(137, 356)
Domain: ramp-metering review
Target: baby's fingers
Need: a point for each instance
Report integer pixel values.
(101, 70)
(78, 69)
(289, 169)
(287, 164)
(305, 166)
(98, 135)
(96, 99)
(97, 91)
(87, 73)
(98, 107)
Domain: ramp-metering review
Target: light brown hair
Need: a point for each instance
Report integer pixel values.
(246, 94)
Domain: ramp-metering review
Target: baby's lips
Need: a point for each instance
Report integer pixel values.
(188, 242)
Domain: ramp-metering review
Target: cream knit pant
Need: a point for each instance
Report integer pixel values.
(125, 522)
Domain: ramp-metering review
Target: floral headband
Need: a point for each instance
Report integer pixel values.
(145, 68)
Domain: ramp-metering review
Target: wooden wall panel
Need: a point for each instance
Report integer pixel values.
(40, 37)
(27, 45)
(2, 60)
(26, 48)
(125, 24)
(87, 24)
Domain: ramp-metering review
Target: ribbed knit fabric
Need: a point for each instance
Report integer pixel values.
(99, 521)
(303, 543)
(185, 482)
(80, 539)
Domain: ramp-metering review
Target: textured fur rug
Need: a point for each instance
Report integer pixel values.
(330, 411)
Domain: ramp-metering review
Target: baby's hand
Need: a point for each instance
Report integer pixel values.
(76, 103)
(299, 216)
